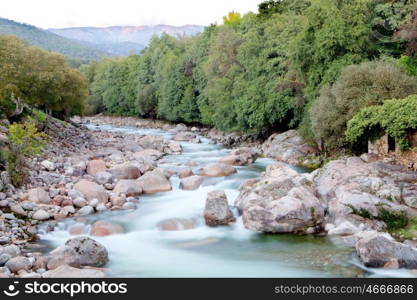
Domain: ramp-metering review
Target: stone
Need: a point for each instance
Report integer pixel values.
(83, 251)
(104, 178)
(185, 173)
(4, 258)
(18, 210)
(91, 190)
(240, 157)
(129, 205)
(79, 202)
(18, 263)
(86, 210)
(39, 195)
(217, 211)
(126, 172)
(288, 147)
(41, 215)
(11, 250)
(50, 166)
(184, 137)
(154, 182)
(175, 146)
(95, 166)
(152, 142)
(282, 201)
(191, 183)
(104, 228)
(149, 154)
(217, 170)
(128, 187)
(65, 271)
(378, 250)
(176, 224)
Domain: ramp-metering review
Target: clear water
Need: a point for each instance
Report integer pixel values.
(232, 251)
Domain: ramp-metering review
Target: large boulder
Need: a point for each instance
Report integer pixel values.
(154, 182)
(84, 251)
(65, 271)
(175, 146)
(191, 183)
(217, 170)
(351, 185)
(128, 187)
(152, 142)
(39, 195)
(18, 263)
(378, 250)
(95, 166)
(217, 211)
(41, 215)
(105, 228)
(288, 147)
(91, 190)
(126, 172)
(240, 157)
(104, 178)
(282, 201)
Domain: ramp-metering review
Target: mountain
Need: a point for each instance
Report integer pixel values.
(120, 40)
(51, 41)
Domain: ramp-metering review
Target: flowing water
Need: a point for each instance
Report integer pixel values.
(144, 250)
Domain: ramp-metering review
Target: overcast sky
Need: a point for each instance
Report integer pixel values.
(74, 13)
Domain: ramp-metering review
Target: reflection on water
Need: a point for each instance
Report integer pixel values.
(232, 251)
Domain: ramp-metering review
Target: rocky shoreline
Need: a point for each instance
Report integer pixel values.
(96, 171)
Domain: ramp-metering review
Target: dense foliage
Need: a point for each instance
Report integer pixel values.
(366, 84)
(37, 78)
(395, 117)
(311, 64)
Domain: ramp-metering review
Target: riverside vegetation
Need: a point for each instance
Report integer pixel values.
(299, 81)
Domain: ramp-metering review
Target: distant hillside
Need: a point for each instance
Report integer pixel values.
(120, 40)
(50, 41)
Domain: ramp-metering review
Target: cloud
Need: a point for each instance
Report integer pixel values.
(78, 13)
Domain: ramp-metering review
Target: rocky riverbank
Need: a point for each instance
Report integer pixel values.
(83, 172)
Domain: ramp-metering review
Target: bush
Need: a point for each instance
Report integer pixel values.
(395, 117)
(25, 140)
(359, 86)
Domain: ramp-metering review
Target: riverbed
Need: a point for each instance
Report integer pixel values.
(144, 250)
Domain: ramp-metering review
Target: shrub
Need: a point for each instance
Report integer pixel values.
(395, 117)
(25, 140)
(359, 86)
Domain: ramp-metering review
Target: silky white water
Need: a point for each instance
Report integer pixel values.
(228, 251)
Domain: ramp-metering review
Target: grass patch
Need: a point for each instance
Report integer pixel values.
(408, 232)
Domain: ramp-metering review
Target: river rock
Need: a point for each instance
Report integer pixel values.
(175, 146)
(240, 157)
(39, 195)
(79, 202)
(176, 224)
(191, 183)
(152, 142)
(128, 205)
(217, 211)
(95, 166)
(283, 201)
(18, 263)
(288, 147)
(104, 228)
(154, 182)
(217, 170)
(41, 215)
(86, 210)
(184, 137)
(104, 178)
(11, 250)
(378, 250)
(79, 251)
(128, 187)
(185, 173)
(91, 190)
(49, 165)
(65, 271)
(18, 210)
(126, 172)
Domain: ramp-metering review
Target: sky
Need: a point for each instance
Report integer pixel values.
(99, 13)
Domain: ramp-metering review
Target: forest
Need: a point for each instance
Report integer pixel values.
(306, 64)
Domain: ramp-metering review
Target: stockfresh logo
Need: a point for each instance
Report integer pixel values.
(12, 290)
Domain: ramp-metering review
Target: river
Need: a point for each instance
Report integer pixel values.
(144, 250)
